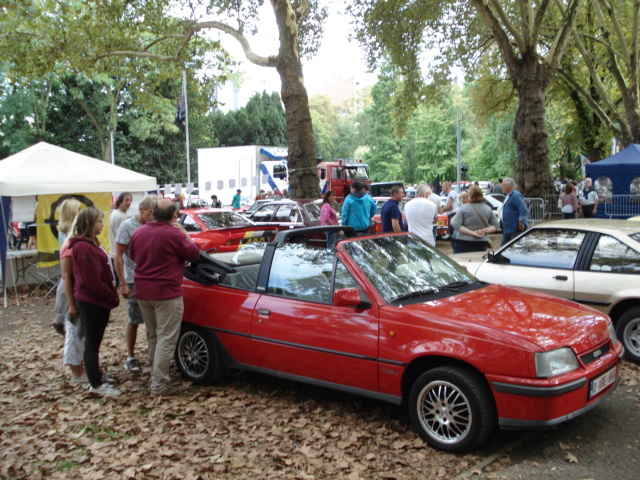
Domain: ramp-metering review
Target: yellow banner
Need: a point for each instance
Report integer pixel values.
(48, 214)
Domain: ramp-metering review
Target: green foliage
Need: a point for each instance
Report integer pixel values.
(261, 122)
(384, 156)
(495, 156)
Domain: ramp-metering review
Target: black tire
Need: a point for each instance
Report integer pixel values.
(452, 409)
(444, 237)
(197, 356)
(628, 332)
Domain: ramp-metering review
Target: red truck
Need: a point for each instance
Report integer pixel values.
(339, 175)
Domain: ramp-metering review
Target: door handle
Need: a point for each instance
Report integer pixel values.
(264, 312)
(561, 277)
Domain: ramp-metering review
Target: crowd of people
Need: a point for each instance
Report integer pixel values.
(470, 219)
(148, 254)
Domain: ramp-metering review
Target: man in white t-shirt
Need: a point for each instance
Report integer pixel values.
(422, 214)
(119, 215)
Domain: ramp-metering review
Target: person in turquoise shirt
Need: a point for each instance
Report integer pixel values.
(236, 200)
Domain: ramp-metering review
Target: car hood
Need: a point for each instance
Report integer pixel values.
(470, 260)
(540, 319)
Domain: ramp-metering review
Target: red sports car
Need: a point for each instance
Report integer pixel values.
(391, 318)
(220, 230)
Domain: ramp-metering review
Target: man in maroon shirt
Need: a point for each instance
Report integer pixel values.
(160, 249)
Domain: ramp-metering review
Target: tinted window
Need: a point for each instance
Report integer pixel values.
(546, 248)
(302, 272)
(222, 220)
(287, 213)
(313, 211)
(264, 213)
(190, 224)
(611, 255)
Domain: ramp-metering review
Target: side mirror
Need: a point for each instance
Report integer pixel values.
(348, 297)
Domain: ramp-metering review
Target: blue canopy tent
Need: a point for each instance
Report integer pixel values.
(621, 168)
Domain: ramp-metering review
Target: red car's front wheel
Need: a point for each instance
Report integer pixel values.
(452, 409)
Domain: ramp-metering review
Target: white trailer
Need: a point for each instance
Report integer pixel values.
(251, 168)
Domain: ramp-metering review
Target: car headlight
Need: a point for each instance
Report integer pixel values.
(612, 333)
(555, 362)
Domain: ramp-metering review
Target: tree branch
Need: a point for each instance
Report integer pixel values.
(499, 34)
(562, 37)
(601, 114)
(505, 21)
(270, 61)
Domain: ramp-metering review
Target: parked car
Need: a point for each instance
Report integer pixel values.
(285, 214)
(221, 230)
(496, 206)
(501, 197)
(592, 261)
(246, 211)
(391, 318)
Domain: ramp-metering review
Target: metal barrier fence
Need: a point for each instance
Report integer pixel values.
(551, 206)
(621, 206)
(536, 209)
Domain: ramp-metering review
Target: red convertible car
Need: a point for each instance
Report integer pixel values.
(221, 230)
(390, 318)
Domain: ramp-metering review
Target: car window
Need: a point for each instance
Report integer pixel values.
(545, 248)
(264, 213)
(611, 255)
(214, 220)
(190, 224)
(287, 213)
(313, 211)
(302, 272)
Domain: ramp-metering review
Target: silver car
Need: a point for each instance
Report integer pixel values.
(591, 261)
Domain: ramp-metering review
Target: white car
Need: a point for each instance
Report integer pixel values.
(591, 261)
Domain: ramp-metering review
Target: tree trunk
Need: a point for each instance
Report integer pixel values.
(530, 129)
(303, 178)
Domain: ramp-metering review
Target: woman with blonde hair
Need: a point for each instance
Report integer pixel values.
(90, 289)
(68, 211)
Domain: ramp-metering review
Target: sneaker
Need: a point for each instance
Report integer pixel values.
(58, 327)
(107, 378)
(105, 390)
(132, 365)
(80, 380)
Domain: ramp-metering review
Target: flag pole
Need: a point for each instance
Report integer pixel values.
(186, 124)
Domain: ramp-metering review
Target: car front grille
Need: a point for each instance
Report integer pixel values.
(595, 354)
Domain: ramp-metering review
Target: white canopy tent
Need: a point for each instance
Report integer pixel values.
(44, 169)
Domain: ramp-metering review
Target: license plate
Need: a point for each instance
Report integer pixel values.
(603, 381)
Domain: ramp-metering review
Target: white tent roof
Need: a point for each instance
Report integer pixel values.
(46, 169)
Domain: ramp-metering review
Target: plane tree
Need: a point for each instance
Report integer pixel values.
(299, 27)
(604, 71)
(529, 37)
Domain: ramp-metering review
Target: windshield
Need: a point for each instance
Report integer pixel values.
(400, 266)
(356, 173)
(223, 220)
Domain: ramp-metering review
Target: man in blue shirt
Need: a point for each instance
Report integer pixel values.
(515, 218)
(357, 210)
(390, 213)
